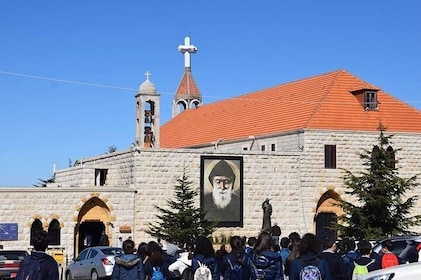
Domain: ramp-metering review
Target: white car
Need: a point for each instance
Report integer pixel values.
(93, 263)
(410, 271)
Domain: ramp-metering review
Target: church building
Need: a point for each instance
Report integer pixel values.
(289, 143)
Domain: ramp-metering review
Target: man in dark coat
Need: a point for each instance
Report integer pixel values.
(38, 262)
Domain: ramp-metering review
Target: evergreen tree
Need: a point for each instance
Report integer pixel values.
(382, 208)
(181, 220)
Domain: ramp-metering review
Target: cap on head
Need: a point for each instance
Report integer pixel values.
(222, 168)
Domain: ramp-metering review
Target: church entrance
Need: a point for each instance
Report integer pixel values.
(94, 218)
(327, 213)
(324, 223)
(90, 233)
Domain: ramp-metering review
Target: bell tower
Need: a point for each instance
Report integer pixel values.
(147, 115)
(188, 94)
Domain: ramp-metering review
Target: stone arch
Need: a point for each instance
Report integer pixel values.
(93, 217)
(327, 213)
(181, 105)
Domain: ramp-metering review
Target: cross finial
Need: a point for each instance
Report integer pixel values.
(147, 74)
(187, 49)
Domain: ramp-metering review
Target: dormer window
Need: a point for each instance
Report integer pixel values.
(370, 100)
(366, 96)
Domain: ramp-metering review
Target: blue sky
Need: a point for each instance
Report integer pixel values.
(103, 48)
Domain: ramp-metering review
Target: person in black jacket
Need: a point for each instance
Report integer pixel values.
(337, 267)
(364, 248)
(38, 262)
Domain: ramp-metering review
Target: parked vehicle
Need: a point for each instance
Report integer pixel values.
(411, 271)
(93, 263)
(399, 244)
(10, 261)
(412, 244)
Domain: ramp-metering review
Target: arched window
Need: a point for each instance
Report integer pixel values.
(36, 227)
(54, 232)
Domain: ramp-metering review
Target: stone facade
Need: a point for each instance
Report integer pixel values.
(137, 179)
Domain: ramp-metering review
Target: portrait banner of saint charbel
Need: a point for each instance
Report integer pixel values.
(221, 193)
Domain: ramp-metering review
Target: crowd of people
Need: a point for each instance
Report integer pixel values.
(262, 257)
(294, 257)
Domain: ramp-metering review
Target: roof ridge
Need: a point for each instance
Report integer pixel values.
(316, 110)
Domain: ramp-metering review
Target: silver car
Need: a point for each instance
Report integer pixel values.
(93, 263)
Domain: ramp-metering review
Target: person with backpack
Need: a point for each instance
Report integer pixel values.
(262, 262)
(128, 266)
(338, 270)
(234, 264)
(348, 253)
(156, 265)
(38, 265)
(308, 265)
(204, 259)
(181, 268)
(388, 258)
(365, 263)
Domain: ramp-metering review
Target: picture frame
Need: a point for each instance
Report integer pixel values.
(221, 189)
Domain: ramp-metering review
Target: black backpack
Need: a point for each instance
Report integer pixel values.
(30, 269)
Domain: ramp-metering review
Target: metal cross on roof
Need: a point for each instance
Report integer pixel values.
(187, 49)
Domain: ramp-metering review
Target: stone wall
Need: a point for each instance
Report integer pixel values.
(140, 179)
(23, 206)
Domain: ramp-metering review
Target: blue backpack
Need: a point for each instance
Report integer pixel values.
(157, 274)
(237, 271)
(30, 269)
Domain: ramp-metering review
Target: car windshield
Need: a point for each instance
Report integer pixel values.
(12, 255)
(112, 251)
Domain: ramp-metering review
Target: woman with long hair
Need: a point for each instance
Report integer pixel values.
(156, 261)
(263, 263)
(234, 265)
(309, 255)
(205, 254)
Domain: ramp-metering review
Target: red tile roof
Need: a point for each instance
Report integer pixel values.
(187, 87)
(321, 102)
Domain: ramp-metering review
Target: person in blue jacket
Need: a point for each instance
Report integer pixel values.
(157, 262)
(309, 253)
(263, 263)
(128, 266)
(205, 254)
(234, 264)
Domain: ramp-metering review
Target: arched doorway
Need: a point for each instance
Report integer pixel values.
(327, 214)
(94, 218)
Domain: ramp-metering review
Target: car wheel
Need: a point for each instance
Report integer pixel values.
(69, 275)
(94, 275)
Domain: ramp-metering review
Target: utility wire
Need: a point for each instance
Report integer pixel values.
(271, 100)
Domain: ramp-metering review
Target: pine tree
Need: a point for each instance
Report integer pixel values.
(181, 220)
(382, 208)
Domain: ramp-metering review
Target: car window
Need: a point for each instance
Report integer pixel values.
(112, 251)
(82, 255)
(12, 255)
(93, 253)
(399, 246)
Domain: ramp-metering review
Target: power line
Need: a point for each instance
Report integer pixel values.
(161, 92)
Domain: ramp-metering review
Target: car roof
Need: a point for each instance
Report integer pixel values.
(409, 237)
(416, 266)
